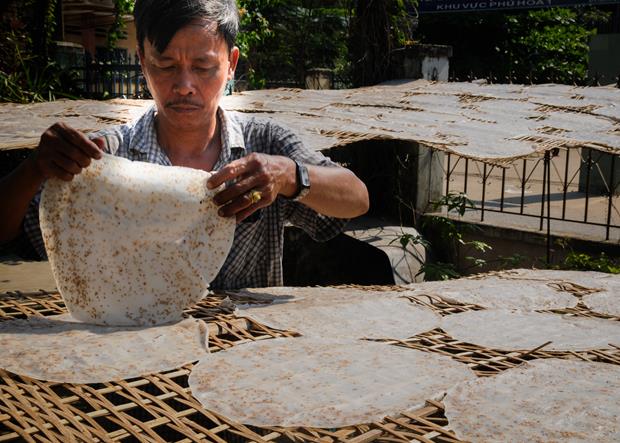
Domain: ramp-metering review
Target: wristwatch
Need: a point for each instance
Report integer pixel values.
(303, 181)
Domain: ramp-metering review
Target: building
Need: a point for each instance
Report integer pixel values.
(85, 24)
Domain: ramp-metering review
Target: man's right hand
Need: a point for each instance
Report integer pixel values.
(63, 152)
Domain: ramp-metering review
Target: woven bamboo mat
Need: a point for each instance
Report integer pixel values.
(160, 408)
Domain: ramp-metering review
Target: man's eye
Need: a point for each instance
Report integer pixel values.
(166, 68)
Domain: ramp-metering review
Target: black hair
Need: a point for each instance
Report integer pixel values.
(159, 20)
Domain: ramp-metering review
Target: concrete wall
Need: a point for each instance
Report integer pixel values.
(436, 68)
(430, 62)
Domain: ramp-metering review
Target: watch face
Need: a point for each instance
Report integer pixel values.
(304, 177)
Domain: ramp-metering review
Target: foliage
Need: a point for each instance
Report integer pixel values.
(529, 46)
(378, 27)
(32, 28)
(405, 239)
(454, 202)
(439, 271)
(28, 79)
(547, 45)
(41, 26)
(454, 233)
(255, 35)
(585, 262)
(280, 40)
(453, 242)
(28, 86)
(117, 30)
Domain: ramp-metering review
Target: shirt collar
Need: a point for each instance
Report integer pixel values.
(232, 133)
(233, 143)
(144, 136)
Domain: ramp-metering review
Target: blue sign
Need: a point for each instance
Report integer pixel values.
(428, 6)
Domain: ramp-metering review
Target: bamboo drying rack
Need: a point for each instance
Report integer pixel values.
(160, 408)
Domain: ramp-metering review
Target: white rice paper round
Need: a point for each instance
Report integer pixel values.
(587, 279)
(514, 330)
(606, 302)
(541, 401)
(494, 292)
(339, 312)
(133, 243)
(604, 286)
(320, 383)
(61, 349)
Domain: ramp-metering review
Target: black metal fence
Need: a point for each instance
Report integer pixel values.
(565, 192)
(114, 76)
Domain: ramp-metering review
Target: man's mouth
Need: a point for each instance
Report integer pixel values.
(184, 107)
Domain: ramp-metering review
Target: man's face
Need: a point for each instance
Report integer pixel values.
(188, 78)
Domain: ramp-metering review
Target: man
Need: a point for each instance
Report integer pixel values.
(187, 55)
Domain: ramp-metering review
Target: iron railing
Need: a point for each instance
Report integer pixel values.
(110, 77)
(574, 192)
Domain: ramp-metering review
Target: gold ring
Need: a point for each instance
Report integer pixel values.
(255, 196)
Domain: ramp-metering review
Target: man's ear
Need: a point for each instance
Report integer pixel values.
(233, 59)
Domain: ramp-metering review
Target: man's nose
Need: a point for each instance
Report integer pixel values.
(184, 82)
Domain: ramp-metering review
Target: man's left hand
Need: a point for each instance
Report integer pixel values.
(256, 179)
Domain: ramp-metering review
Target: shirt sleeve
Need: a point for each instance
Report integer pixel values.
(318, 226)
(112, 137)
(31, 229)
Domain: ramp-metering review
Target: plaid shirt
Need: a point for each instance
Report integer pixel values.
(255, 259)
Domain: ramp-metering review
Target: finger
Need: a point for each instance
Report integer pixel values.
(67, 164)
(245, 213)
(75, 154)
(100, 142)
(236, 205)
(78, 139)
(229, 172)
(235, 190)
(58, 172)
(246, 201)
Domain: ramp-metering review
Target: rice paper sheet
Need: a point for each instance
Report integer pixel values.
(606, 302)
(586, 279)
(514, 330)
(280, 294)
(320, 383)
(341, 313)
(606, 299)
(133, 243)
(494, 292)
(547, 400)
(61, 349)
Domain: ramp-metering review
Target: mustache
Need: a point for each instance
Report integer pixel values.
(183, 102)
